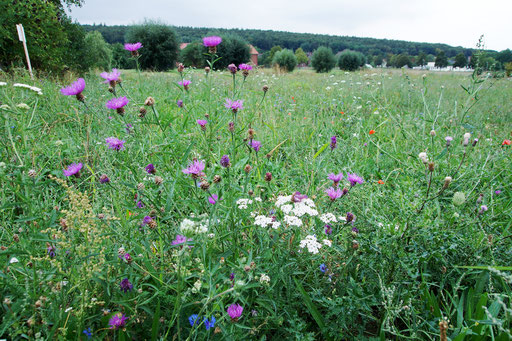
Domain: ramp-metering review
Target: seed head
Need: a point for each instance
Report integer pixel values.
(265, 88)
(142, 112)
(247, 168)
(181, 67)
(158, 180)
(447, 182)
(149, 102)
(431, 166)
(217, 179)
(32, 173)
(250, 133)
(141, 186)
(432, 133)
(205, 185)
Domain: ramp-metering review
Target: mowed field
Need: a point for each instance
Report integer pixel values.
(355, 218)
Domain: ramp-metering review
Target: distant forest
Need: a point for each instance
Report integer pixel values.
(264, 40)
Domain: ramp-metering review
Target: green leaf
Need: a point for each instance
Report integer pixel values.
(320, 151)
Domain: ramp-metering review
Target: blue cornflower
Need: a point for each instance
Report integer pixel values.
(323, 268)
(209, 324)
(193, 319)
(88, 333)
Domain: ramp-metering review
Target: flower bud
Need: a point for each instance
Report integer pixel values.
(232, 68)
(350, 217)
(205, 185)
(475, 141)
(141, 186)
(149, 102)
(181, 67)
(142, 112)
(447, 182)
(231, 126)
(265, 88)
(217, 179)
(268, 177)
(448, 140)
(250, 133)
(431, 166)
(465, 141)
(480, 199)
(207, 69)
(432, 133)
(158, 180)
(247, 168)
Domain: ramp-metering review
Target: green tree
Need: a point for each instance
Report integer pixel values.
(120, 58)
(402, 60)
(441, 59)
(160, 51)
(302, 57)
(422, 59)
(350, 60)
(286, 60)
(193, 55)
(378, 60)
(323, 59)
(460, 60)
(98, 51)
(504, 56)
(232, 50)
(273, 51)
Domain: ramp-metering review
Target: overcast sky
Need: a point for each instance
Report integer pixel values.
(454, 22)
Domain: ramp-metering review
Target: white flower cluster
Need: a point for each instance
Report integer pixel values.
(294, 210)
(292, 220)
(312, 244)
(328, 218)
(264, 221)
(201, 226)
(3, 83)
(26, 86)
(264, 279)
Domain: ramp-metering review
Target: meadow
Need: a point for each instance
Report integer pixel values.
(369, 205)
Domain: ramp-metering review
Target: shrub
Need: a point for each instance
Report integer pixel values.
(302, 57)
(120, 58)
(193, 55)
(160, 51)
(98, 51)
(350, 60)
(323, 59)
(286, 60)
(232, 50)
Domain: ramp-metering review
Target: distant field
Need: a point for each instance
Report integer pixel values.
(400, 252)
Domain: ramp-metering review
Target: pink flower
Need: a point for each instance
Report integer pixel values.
(354, 179)
(115, 143)
(213, 199)
(111, 76)
(195, 168)
(117, 103)
(73, 169)
(212, 41)
(117, 321)
(132, 47)
(334, 193)
(336, 178)
(74, 89)
(185, 83)
(235, 311)
(234, 105)
(245, 67)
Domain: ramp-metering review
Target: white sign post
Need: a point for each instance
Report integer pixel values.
(21, 37)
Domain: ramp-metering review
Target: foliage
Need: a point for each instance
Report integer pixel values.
(273, 52)
(302, 58)
(323, 59)
(98, 52)
(460, 60)
(403, 60)
(422, 59)
(508, 69)
(286, 60)
(120, 58)
(350, 60)
(160, 45)
(441, 59)
(232, 50)
(193, 55)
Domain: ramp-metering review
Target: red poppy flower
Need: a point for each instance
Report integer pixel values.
(372, 132)
(506, 143)
(380, 182)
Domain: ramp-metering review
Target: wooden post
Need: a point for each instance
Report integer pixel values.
(21, 37)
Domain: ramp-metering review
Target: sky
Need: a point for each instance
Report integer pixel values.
(453, 22)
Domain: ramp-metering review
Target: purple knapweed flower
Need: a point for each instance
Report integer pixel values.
(202, 124)
(50, 251)
(333, 143)
(150, 169)
(193, 319)
(497, 192)
(132, 47)
(256, 145)
(483, 208)
(73, 169)
(75, 89)
(355, 230)
(195, 169)
(448, 140)
(323, 268)
(117, 321)
(333, 193)
(104, 179)
(111, 77)
(328, 229)
(212, 41)
(354, 179)
(181, 240)
(179, 103)
(209, 324)
(235, 311)
(350, 217)
(126, 285)
(185, 83)
(114, 143)
(213, 199)
(297, 197)
(336, 178)
(140, 204)
(245, 67)
(224, 161)
(146, 220)
(232, 68)
(118, 104)
(234, 105)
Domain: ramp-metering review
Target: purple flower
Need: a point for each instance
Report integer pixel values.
(448, 140)
(114, 143)
(146, 220)
(202, 123)
(150, 169)
(333, 193)
(111, 77)
(483, 208)
(73, 169)
(224, 161)
(128, 128)
(297, 197)
(117, 321)
(213, 199)
(232, 68)
(355, 230)
(179, 103)
(256, 145)
(232, 276)
(328, 229)
(234, 105)
(74, 89)
(117, 103)
(336, 178)
(354, 179)
(209, 324)
(497, 192)
(193, 319)
(212, 41)
(88, 333)
(185, 83)
(104, 179)
(132, 47)
(245, 67)
(50, 251)
(181, 240)
(350, 217)
(323, 268)
(195, 168)
(333, 143)
(140, 204)
(126, 285)
(235, 311)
